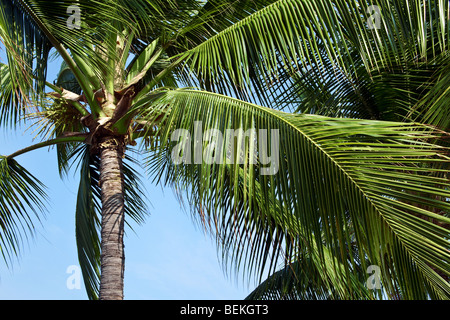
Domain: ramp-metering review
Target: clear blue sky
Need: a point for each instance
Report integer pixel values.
(166, 258)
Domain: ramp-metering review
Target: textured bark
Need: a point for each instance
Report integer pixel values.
(112, 192)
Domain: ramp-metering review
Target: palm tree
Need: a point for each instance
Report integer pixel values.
(327, 195)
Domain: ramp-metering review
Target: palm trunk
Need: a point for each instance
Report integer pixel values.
(112, 192)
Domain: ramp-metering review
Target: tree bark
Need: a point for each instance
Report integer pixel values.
(112, 226)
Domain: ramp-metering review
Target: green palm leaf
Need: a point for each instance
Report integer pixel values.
(301, 280)
(22, 200)
(434, 106)
(287, 36)
(337, 178)
(9, 113)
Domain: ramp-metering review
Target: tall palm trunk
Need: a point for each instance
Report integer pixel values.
(112, 192)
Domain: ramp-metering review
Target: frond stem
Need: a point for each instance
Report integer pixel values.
(76, 137)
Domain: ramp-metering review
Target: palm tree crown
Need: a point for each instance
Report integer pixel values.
(338, 157)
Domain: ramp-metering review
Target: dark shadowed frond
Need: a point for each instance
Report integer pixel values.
(289, 36)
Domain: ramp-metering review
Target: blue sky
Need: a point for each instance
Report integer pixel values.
(168, 257)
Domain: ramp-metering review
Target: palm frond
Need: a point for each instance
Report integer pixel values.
(22, 203)
(287, 36)
(9, 98)
(340, 180)
(433, 108)
(27, 50)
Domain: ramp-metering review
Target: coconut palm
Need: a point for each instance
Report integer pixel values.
(324, 195)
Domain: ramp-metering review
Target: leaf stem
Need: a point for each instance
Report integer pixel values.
(74, 138)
